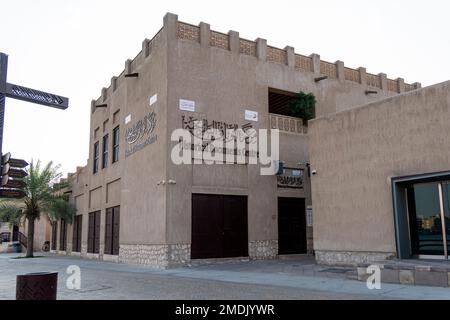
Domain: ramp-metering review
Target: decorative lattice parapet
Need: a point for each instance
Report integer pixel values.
(276, 55)
(263, 249)
(188, 32)
(328, 69)
(373, 80)
(219, 40)
(351, 74)
(303, 63)
(247, 47)
(287, 124)
(175, 29)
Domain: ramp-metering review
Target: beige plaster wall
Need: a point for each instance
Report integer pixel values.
(356, 152)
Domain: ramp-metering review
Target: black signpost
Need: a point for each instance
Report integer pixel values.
(12, 171)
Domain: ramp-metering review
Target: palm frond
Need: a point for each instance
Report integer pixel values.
(11, 212)
(62, 209)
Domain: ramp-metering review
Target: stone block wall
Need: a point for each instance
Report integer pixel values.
(350, 258)
(263, 249)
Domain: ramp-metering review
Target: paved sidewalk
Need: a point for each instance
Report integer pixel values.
(277, 279)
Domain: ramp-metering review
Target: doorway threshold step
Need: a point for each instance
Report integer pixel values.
(410, 272)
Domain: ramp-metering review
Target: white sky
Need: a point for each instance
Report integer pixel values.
(73, 48)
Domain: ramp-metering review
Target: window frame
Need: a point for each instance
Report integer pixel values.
(116, 144)
(105, 151)
(96, 157)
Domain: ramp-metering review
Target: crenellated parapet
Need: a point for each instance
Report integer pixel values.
(259, 49)
(287, 56)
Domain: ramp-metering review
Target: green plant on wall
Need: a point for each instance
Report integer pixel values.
(303, 106)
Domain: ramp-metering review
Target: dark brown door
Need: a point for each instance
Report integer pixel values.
(112, 224)
(63, 236)
(235, 234)
(116, 229)
(291, 226)
(97, 233)
(108, 230)
(94, 232)
(91, 228)
(54, 234)
(76, 235)
(219, 226)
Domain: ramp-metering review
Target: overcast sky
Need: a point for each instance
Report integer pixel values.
(73, 48)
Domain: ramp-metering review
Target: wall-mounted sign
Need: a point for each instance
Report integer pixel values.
(251, 115)
(226, 132)
(290, 178)
(188, 122)
(142, 129)
(187, 105)
(128, 119)
(309, 216)
(153, 99)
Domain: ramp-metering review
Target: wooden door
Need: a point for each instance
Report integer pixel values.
(291, 226)
(219, 226)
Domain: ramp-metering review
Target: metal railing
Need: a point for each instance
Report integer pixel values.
(23, 239)
(5, 237)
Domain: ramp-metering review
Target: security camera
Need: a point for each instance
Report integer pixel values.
(314, 172)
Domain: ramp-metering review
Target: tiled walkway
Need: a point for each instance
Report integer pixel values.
(277, 279)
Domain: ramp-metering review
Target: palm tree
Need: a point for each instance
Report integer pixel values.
(43, 197)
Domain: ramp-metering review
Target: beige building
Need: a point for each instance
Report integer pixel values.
(135, 205)
(381, 189)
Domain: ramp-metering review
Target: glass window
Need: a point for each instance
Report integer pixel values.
(105, 151)
(115, 144)
(96, 156)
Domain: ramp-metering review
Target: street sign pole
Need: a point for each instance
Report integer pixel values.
(3, 72)
(11, 185)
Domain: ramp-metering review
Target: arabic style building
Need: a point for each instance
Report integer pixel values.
(135, 205)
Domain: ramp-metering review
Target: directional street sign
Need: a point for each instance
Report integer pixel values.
(12, 173)
(12, 193)
(6, 157)
(5, 168)
(17, 163)
(36, 96)
(17, 173)
(11, 183)
(23, 93)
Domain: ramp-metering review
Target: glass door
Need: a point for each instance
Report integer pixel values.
(446, 213)
(428, 203)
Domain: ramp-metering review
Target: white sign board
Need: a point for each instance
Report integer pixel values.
(296, 173)
(187, 105)
(153, 99)
(251, 115)
(309, 217)
(127, 118)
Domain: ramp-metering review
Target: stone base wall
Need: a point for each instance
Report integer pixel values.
(83, 249)
(350, 258)
(110, 258)
(170, 255)
(263, 249)
(159, 256)
(179, 254)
